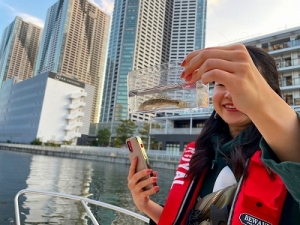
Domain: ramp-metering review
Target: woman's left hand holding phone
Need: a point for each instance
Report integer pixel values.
(139, 194)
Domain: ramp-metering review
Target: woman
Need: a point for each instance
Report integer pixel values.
(251, 132)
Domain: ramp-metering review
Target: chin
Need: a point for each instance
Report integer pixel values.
(238, 123)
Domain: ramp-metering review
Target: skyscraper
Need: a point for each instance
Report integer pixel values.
(188, 27)
(19, 49)
(143, 34)
(136, 41)
(74, 44)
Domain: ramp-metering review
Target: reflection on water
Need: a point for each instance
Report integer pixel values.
(58, 175)
(97, 180)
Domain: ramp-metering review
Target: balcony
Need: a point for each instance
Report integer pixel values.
(172, 130)
(76, 105)
(289, 84)
(287, 64)
(78, 95)
(73, 126)
(75, 115)
(284, 45)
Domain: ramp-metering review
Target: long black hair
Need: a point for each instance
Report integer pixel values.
(204, 152)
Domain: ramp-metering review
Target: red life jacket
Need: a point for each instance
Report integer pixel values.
(259, 199)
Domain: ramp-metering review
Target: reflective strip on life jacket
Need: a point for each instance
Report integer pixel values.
(260, 197)
(183, 194)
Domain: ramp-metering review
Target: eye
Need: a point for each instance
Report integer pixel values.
(219, 85)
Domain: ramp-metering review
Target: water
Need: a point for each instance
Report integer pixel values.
(97, 180)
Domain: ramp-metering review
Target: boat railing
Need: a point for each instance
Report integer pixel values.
(83, 201)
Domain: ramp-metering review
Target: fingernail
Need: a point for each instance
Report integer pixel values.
(182, 74)
(149, 171)
(183, 62)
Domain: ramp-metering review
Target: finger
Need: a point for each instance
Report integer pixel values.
(136, 178)
(155, 173)
(151, 191)
(141, 186)
(192, 54)
(216, 66)
(212, 57)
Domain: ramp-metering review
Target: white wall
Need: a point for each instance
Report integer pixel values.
(54, 111)
(38, 108)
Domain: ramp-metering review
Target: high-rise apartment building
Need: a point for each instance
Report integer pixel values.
(136, 41)
(188, 27)
(74, 44)
(144, 34)
(19, 49)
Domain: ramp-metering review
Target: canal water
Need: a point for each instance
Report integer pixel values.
(106, 182)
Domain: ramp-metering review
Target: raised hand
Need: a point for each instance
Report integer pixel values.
(233, 67)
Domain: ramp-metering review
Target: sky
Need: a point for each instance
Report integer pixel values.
(228, 21)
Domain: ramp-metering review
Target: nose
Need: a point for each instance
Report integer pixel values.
(227, 94)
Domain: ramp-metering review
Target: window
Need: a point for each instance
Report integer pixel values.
(172, 146)
(287, 61)
(288, 99)
(289, 81)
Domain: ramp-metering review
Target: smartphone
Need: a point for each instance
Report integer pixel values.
(136, 149)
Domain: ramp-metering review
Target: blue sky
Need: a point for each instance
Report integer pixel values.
(227, 20)
(35, 11)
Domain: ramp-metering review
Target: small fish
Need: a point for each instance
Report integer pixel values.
(161, 102)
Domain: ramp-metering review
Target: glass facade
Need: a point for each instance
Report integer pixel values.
(200, 24)
(126, 59)
(110, 89)
(138, 41)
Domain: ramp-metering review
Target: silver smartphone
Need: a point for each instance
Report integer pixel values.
(136, 149)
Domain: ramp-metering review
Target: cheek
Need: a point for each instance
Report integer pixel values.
(216, 97)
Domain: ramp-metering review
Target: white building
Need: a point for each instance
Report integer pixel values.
(50, 107)
(284, 46)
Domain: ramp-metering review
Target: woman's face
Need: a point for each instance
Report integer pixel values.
(222, 101)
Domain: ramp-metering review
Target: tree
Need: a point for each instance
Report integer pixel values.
(36, 141)
(144, 134)
(125, 130)
(103, 137)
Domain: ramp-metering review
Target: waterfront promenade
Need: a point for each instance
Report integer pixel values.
(158, 159)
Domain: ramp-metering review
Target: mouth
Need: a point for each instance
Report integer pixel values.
(229, 106)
